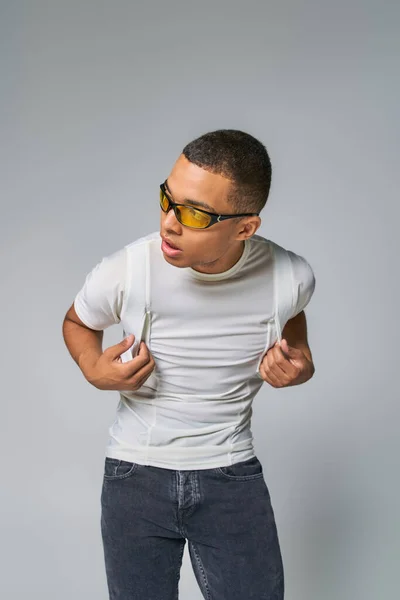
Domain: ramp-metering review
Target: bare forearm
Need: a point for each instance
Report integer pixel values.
(295, 332)
(84, 345)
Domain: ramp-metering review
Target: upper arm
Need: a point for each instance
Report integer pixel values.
(72, 316)
(99, 302)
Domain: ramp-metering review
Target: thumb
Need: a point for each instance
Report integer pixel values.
(289, 350)
(283, 346)
(122, 346)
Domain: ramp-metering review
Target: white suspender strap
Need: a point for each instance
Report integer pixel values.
(147, 276)
(146, 328)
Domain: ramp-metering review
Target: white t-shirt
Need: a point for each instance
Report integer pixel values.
(207, 333)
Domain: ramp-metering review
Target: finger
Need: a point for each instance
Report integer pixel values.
(267, 374)
(140, 362)
(291, 352)
(140, 377)
(143, 381)
(270, 377)
(280, 364)
(142, 358)
(121, 347)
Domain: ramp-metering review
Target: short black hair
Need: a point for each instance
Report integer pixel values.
(240, 157)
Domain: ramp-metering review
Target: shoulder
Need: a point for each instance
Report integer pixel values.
(111, 266)
(303, 281)
(302, 270)
(303, 278)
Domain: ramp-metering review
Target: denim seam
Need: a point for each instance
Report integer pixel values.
(198, 559)
(180, 559)
(240, 477)
(117, 477)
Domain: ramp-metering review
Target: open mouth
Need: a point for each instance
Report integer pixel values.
(171, 245)
(169, 249)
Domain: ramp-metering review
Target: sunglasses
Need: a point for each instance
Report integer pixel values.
(193, 217)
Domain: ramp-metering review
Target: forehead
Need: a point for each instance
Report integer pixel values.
(192, 201)
(190, 184)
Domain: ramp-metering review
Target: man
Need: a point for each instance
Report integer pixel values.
(180, 463)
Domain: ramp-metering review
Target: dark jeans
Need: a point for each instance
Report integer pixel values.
(225, 513)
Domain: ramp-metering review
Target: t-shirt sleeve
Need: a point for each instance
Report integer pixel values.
(303, 281)
(99, 302)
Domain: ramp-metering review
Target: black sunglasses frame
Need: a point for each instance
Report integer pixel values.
(215, 218)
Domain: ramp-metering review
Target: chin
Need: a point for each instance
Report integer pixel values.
(173, 261)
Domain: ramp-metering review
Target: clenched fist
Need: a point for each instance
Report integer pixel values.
(284, 365)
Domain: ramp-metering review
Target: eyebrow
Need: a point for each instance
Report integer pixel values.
(188, 200)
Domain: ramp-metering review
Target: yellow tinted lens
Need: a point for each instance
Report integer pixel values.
(192, 217)
(163, 201)
(188, 215)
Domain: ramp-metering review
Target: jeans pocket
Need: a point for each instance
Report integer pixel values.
(242, 471)
(114, 468)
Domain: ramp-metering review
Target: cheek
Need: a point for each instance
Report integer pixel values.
(206, 245)
(207, 253)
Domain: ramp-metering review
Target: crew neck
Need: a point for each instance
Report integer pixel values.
(224, 274)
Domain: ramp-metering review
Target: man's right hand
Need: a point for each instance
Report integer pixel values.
(110, 373)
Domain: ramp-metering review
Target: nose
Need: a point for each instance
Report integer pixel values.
(169, 217)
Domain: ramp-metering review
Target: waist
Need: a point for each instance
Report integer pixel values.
(171, 433)
(183, 458)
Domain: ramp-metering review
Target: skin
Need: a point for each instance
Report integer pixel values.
(217, 248)
(289, 363)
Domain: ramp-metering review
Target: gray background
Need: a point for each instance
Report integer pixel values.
(97, 101)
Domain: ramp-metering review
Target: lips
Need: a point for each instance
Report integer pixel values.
(170, 243)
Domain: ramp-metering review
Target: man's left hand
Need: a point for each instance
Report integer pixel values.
(284, 365)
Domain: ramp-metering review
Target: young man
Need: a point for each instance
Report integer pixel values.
(208, 316)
